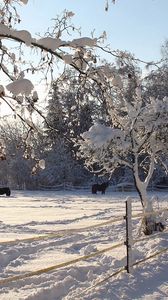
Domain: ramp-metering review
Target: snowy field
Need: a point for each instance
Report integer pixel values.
(39, 230)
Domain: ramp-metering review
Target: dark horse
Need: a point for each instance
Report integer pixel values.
(5, 190)
(99, 187)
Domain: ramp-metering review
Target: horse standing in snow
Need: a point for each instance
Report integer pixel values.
(99, 187)
(5, 190)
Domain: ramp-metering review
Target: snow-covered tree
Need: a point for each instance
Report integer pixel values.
(15, 171)
(61, 167)
(19, 69)
(55, 124)
(156, 80)
(66, 111)
(73, 106)
(50, 49)
(137, 139)
(60, 47)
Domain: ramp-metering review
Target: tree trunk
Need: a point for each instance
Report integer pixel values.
(150, 223)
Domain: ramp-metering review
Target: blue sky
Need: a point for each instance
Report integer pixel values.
(139, 26)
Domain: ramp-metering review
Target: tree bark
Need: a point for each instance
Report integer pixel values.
(149, 223)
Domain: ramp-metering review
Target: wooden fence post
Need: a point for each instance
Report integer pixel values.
(128, 242)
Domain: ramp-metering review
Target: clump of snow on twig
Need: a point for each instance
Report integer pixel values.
(21, 86)
(24, 1)
(84, 41)
(42, 164)
(50, 43)
(24, 35)
(100, 134)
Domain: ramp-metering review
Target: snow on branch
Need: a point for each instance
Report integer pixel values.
(100, 135)
(21, 86)
(137, 137)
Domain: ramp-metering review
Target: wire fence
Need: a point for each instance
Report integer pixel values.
(63, 186)
(58, 266)
(128, 242)
(65, 232)
(120, 187)
(115, 273)
(61, 233)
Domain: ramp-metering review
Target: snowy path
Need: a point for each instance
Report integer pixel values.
(30, 214)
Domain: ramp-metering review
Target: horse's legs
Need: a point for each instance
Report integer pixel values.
(103, 191)
(94, 190)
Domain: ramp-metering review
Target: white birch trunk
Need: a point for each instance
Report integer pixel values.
(149, 221)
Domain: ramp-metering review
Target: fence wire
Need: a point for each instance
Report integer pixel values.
(58, 266)
(82, 258)
(149, 236)
(122, 269)
(62, 233)
(145, 214)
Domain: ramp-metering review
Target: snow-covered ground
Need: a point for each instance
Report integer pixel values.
(28, 215)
